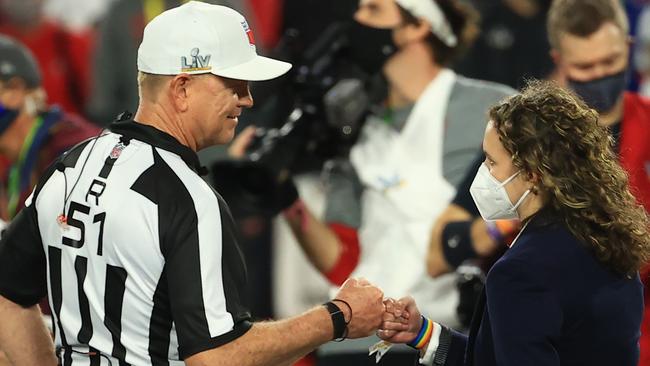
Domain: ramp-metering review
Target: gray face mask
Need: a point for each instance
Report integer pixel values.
(603, 93)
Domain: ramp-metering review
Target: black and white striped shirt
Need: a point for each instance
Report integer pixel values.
(147, 270)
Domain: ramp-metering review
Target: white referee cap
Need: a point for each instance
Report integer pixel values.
(198, 38)
(431, 12)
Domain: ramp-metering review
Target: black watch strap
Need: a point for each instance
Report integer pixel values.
(338, 320)
(444, 342)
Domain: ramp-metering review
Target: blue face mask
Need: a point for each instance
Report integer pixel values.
(7, 117)
(601, 94)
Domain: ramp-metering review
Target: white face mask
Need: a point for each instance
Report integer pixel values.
(31, 106)
(491, 197)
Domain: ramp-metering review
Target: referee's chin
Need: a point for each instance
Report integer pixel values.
(225, 136)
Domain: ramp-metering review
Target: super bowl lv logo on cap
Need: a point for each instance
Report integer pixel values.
(199, 63)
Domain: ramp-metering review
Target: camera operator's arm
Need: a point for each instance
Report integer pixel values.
(460, 233)
(456, 238)
(437, 264)
(319, 242)
(238, 146)
(332, 244)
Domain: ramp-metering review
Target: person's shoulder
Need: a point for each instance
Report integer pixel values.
(638, 102)
(548, 249)
(637, 99)
(70, 130)
(546, 237)
(170, 168)
(636, 114)
(538, 259)
(76, 122)
(483, 88)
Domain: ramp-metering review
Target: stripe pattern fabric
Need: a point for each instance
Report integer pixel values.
(146, 270)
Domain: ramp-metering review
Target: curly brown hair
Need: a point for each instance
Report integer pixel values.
(553, 135)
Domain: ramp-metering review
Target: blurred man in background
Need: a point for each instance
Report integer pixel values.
(63, 55)
(31, 133)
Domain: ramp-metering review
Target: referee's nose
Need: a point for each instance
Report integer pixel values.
(245, 100)
(243, 91)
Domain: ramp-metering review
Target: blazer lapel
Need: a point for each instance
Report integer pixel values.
(474, 327)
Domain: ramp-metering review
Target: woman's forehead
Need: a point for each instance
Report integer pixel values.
(492, 145)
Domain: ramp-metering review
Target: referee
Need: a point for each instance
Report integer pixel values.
(137, 253)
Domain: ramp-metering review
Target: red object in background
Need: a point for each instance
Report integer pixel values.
(349, 256)
(635, 158)
(268, 21)
(635, 149)
(309, 360)
(65, 60)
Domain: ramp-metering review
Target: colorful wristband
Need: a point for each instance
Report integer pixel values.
(424, 336)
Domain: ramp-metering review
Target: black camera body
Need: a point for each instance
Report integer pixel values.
(327, 101)
(331, 98)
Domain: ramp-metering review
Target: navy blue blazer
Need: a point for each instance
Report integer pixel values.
(548, 301)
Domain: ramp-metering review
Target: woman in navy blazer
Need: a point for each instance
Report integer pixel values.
(567, 292)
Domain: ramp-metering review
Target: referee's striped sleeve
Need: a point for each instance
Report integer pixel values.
(194, 264)
(22, 259)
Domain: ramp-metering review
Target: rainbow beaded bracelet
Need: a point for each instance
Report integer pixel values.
(424, 335)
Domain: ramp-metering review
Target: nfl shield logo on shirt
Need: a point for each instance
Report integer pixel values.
(117, 150)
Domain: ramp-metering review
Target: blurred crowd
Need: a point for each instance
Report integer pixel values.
(87, 49)
(85, 75)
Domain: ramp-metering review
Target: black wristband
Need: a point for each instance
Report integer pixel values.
(338, 321)
(457, 243)
(349, 308)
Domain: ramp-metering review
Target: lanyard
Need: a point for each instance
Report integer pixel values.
(16, 171)
(20, 172)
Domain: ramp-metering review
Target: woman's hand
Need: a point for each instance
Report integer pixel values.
(402, 321)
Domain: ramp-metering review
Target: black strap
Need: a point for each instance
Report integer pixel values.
(338, 321)
(477, 318)
(444, 342)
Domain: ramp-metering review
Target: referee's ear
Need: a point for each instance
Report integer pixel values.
(178, 89)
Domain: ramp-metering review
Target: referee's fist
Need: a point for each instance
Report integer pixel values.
(366, 304)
